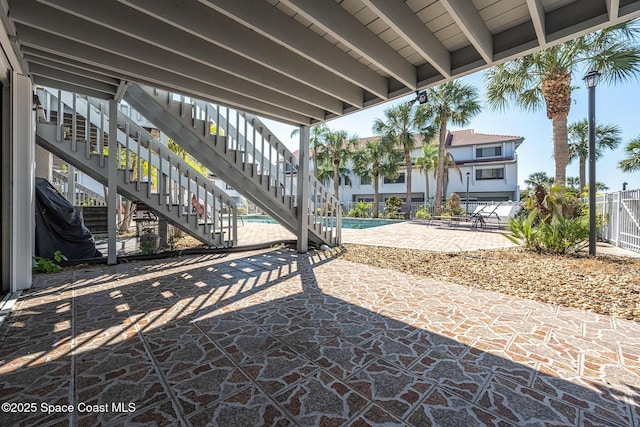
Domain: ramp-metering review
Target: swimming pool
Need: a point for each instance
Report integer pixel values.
(355, 223)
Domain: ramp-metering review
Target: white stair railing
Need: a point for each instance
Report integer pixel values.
(148, 168)
(246, 143)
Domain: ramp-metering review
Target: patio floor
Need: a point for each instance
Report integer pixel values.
(277, 338)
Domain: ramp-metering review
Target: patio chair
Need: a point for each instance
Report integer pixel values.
(405, 211)
(144, 219)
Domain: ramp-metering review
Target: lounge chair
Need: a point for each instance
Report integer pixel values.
(485, 213)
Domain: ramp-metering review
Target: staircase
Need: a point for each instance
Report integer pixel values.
(83, 196)
(242, 151)
(148, 172)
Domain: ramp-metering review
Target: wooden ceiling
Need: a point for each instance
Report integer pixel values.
(296, 61)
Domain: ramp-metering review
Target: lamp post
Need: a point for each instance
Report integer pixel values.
(466, 208)
(624, 186)
(591, 81)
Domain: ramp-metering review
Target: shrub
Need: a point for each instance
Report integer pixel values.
(392, 206)
(560, 235)
(523, 231)
(423, 213)
(361, 210)
(46, 265)
(452, 206)
(565, 235)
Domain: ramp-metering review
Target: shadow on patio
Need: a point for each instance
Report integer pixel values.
(278, 338)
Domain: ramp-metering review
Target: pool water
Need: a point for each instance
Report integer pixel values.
(355, 223)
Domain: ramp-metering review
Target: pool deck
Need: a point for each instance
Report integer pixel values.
(277, 338)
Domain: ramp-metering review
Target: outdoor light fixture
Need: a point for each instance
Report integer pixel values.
(421, 97)
(624, 186)
(591, 81)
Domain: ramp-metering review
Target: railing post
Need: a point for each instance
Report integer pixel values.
(618, 218)
(234, 218)
(71, 184)
(303, 191)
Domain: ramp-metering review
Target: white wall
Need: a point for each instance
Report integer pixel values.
(464, 153)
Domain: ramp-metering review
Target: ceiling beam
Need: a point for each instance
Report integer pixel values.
(228, 66)
(8, 48)
(38, 56)
(68, 68)
(472, 25)
(404, 21)
(272, 23)
(613, 8)
(127, 69)
(135, 50)
(201, 21)
(536, 10)
(340, 24)
(69, 87)
(63, 76)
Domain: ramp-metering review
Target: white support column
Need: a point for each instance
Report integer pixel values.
(18, 164)
(112, 183)
(303, 191)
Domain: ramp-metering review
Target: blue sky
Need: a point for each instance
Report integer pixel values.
(616, 105)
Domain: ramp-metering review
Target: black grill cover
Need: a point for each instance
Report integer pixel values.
(59, 227)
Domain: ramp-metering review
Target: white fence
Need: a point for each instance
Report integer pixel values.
(621, 211)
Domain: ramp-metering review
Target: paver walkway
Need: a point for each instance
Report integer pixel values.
(277, 338)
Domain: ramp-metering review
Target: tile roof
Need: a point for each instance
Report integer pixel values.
(459, 138)
(469, 137)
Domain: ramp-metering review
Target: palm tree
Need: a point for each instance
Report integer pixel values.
(325, 173)
(449, 163)
(539, 178)
(315, 141)
(572, 184)
(451, 101)
(377, 158)
(426, 162)
(631, 163)
(403, 123)
(607, 136)
(545, 78)
(335, 147)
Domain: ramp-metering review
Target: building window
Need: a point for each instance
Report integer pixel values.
(398, 180)
(489, 152)
(495, 173)
(365, 180)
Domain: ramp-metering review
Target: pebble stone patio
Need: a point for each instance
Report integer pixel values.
(273, 337)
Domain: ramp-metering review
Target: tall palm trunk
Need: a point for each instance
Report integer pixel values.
(426, 188)
(336, 177)
(560, 148)
(437, 206)
(583, 174)
(407, 163)
(556, 89)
